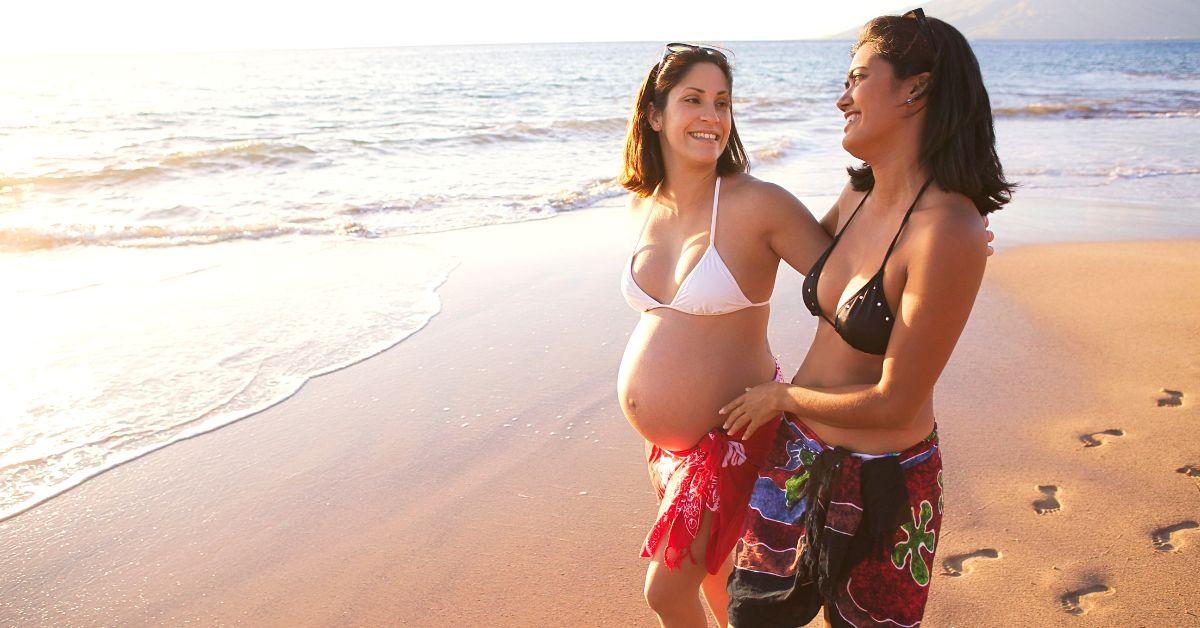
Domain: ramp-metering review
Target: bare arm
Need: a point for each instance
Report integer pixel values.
(830, 221)
(939, 291)
(794, 234)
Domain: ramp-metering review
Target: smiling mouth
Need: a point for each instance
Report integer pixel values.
(701, 135)
(852, 117)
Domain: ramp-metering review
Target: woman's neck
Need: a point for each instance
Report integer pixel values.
(685, 188)
(898, 174)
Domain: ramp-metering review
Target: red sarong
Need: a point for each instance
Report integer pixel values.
(717, 476)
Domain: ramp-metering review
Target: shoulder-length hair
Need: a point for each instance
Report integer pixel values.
(958, 141)
(644, 168)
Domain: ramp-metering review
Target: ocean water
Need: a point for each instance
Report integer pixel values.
(186, 239)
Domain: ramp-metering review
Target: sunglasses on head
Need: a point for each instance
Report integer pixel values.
(675, 47)
(918, 14)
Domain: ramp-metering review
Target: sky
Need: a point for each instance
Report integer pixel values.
(73, 26)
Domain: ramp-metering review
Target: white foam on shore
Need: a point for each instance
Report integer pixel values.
(115, 353)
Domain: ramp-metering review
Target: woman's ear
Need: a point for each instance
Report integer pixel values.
(920, 86)
(654, 117)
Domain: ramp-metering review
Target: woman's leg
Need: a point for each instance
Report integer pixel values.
(673, 594)
(715, 593)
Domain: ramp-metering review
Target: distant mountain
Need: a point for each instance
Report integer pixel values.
(1065, 19)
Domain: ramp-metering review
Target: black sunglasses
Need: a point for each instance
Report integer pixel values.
(923, 24)
(675, 47)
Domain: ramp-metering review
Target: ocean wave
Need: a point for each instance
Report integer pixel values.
(222, 157)
(178, 212)
(363, 220)
(772, 151)
(614, 124)
(21, 239)
(525, 132)
(269, 153)
(1175, 76)
(585, 195)
(1069, 110)
(773, 102)
(1109, 174)
(1122, 172)
(781, 109)
(419, 203)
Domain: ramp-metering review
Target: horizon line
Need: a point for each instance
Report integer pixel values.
(831, 39)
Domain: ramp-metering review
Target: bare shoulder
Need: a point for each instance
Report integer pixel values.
(764, 198)
(949, 224)
(637, 207)
(637, 204)
(636, 212)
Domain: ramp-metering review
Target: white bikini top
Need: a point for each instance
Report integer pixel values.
(709, 289)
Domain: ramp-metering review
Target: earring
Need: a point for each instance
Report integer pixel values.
(909, 101)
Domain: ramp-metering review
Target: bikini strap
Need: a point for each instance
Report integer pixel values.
(712, 228)
(908, 213)
(646, 220)
(838, 236)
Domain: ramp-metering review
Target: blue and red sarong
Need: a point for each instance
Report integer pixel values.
(827, 527)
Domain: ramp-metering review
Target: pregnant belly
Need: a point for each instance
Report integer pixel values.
(675, 376)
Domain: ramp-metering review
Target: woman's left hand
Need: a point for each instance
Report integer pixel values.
(753, 409)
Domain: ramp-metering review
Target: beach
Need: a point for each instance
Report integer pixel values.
(331, 337)
(174, 268)
(480, 471)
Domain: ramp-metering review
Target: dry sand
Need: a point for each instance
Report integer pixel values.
(1059, 458)
(480, 473)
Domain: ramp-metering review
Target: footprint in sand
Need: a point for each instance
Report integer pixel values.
(1190, 470)
(1049, 503)
(1083, 600)
(1095, 439)
(1170, 398)
(1164, 538)
(959, 564)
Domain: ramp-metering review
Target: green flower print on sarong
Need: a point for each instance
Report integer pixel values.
(918, 537)
(941, 494)
(795, 484)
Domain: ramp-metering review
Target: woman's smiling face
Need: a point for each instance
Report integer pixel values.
(698, 116)
(873, 104)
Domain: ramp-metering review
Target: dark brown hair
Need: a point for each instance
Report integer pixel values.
(958, 141)
(644, 168)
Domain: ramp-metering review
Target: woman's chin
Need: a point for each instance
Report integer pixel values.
(853, 147)
(706, 157)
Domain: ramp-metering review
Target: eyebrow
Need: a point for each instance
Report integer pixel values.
(702, 91)
(857, 67)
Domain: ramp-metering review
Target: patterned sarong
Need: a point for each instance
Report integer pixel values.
(827, 527)
(716, 475)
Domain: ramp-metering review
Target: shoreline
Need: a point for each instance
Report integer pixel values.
(1018, 231)
(1091, 220)
(528, 335)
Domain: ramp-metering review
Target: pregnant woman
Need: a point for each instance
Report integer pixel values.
(701, 274)
(847, 510)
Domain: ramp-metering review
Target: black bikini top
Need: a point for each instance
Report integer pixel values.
(865, 320)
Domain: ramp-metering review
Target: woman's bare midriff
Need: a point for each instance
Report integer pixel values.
(680, 369)
(831, 362)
